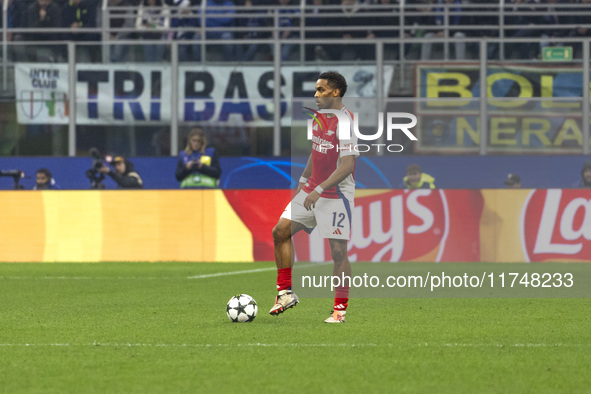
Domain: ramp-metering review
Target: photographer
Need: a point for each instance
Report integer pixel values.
(45, 180)
(124, 174)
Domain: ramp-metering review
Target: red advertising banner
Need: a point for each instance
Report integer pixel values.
(259, 210)
(557, 225)
(407, 225)
(501, 225)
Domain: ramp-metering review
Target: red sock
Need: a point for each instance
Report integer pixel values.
(284, 279)
(341, 298)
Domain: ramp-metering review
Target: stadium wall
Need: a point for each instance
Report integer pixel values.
(517, 225)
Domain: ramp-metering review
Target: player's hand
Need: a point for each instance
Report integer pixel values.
(104, 170)
(310, 201)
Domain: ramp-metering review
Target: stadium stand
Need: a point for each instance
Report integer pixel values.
(397, 50)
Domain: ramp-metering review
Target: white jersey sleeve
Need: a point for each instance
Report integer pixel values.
(348, 147)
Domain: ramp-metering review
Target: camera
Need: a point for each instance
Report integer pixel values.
(97, 161)
(93, 174)
(16, 177)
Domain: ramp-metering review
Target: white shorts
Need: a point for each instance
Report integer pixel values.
(331, 215)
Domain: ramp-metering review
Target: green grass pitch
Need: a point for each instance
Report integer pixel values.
(150, 328)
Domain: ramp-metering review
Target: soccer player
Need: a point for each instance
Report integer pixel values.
(324, 198)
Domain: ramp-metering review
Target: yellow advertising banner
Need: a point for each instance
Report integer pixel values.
(146, 225)
(500, 225)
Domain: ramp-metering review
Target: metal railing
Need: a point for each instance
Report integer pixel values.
(307, 21)
(482, 64)
(304, 28)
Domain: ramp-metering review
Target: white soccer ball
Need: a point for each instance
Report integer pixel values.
(242, 308)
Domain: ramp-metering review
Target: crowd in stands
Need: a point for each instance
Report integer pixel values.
(332, 19)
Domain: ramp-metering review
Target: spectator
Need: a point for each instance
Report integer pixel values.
(198, 165)
(121, 18)
(389, 19)
(287, 21)
(78, 15)
(416, 179)
(315, 20)
(585, 180)
(420, 21)
(153, 20)
(45, 181)
(124, 174)
(523, 49)
(254, 23)
(486, 14)
(513, 181)
(18, 10)
(186, 24)
(532, 15)
(44, 14)
(580, 19)
(454, 21)
(386, 26)
(556, 16)
(349, 16)
(220, 16)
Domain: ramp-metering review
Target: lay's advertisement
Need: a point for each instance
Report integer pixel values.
(501, 225)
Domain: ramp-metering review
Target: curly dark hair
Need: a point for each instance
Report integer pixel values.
(335, 81)
(45, 172)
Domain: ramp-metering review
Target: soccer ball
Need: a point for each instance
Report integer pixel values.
(242, 308)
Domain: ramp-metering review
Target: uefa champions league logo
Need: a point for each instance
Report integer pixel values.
(344, 129)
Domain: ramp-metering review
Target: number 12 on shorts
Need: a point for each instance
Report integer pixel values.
(341, 217)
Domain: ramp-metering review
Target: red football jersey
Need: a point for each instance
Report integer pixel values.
(327, 150)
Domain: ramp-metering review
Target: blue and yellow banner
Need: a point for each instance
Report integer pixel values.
(529, 109)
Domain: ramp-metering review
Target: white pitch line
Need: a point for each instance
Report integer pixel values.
(88, 277)
(232, 273)
(48, 277)
(154, 277)
(311, 345)
(512, 345)
(251, 271)
(186, 345)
